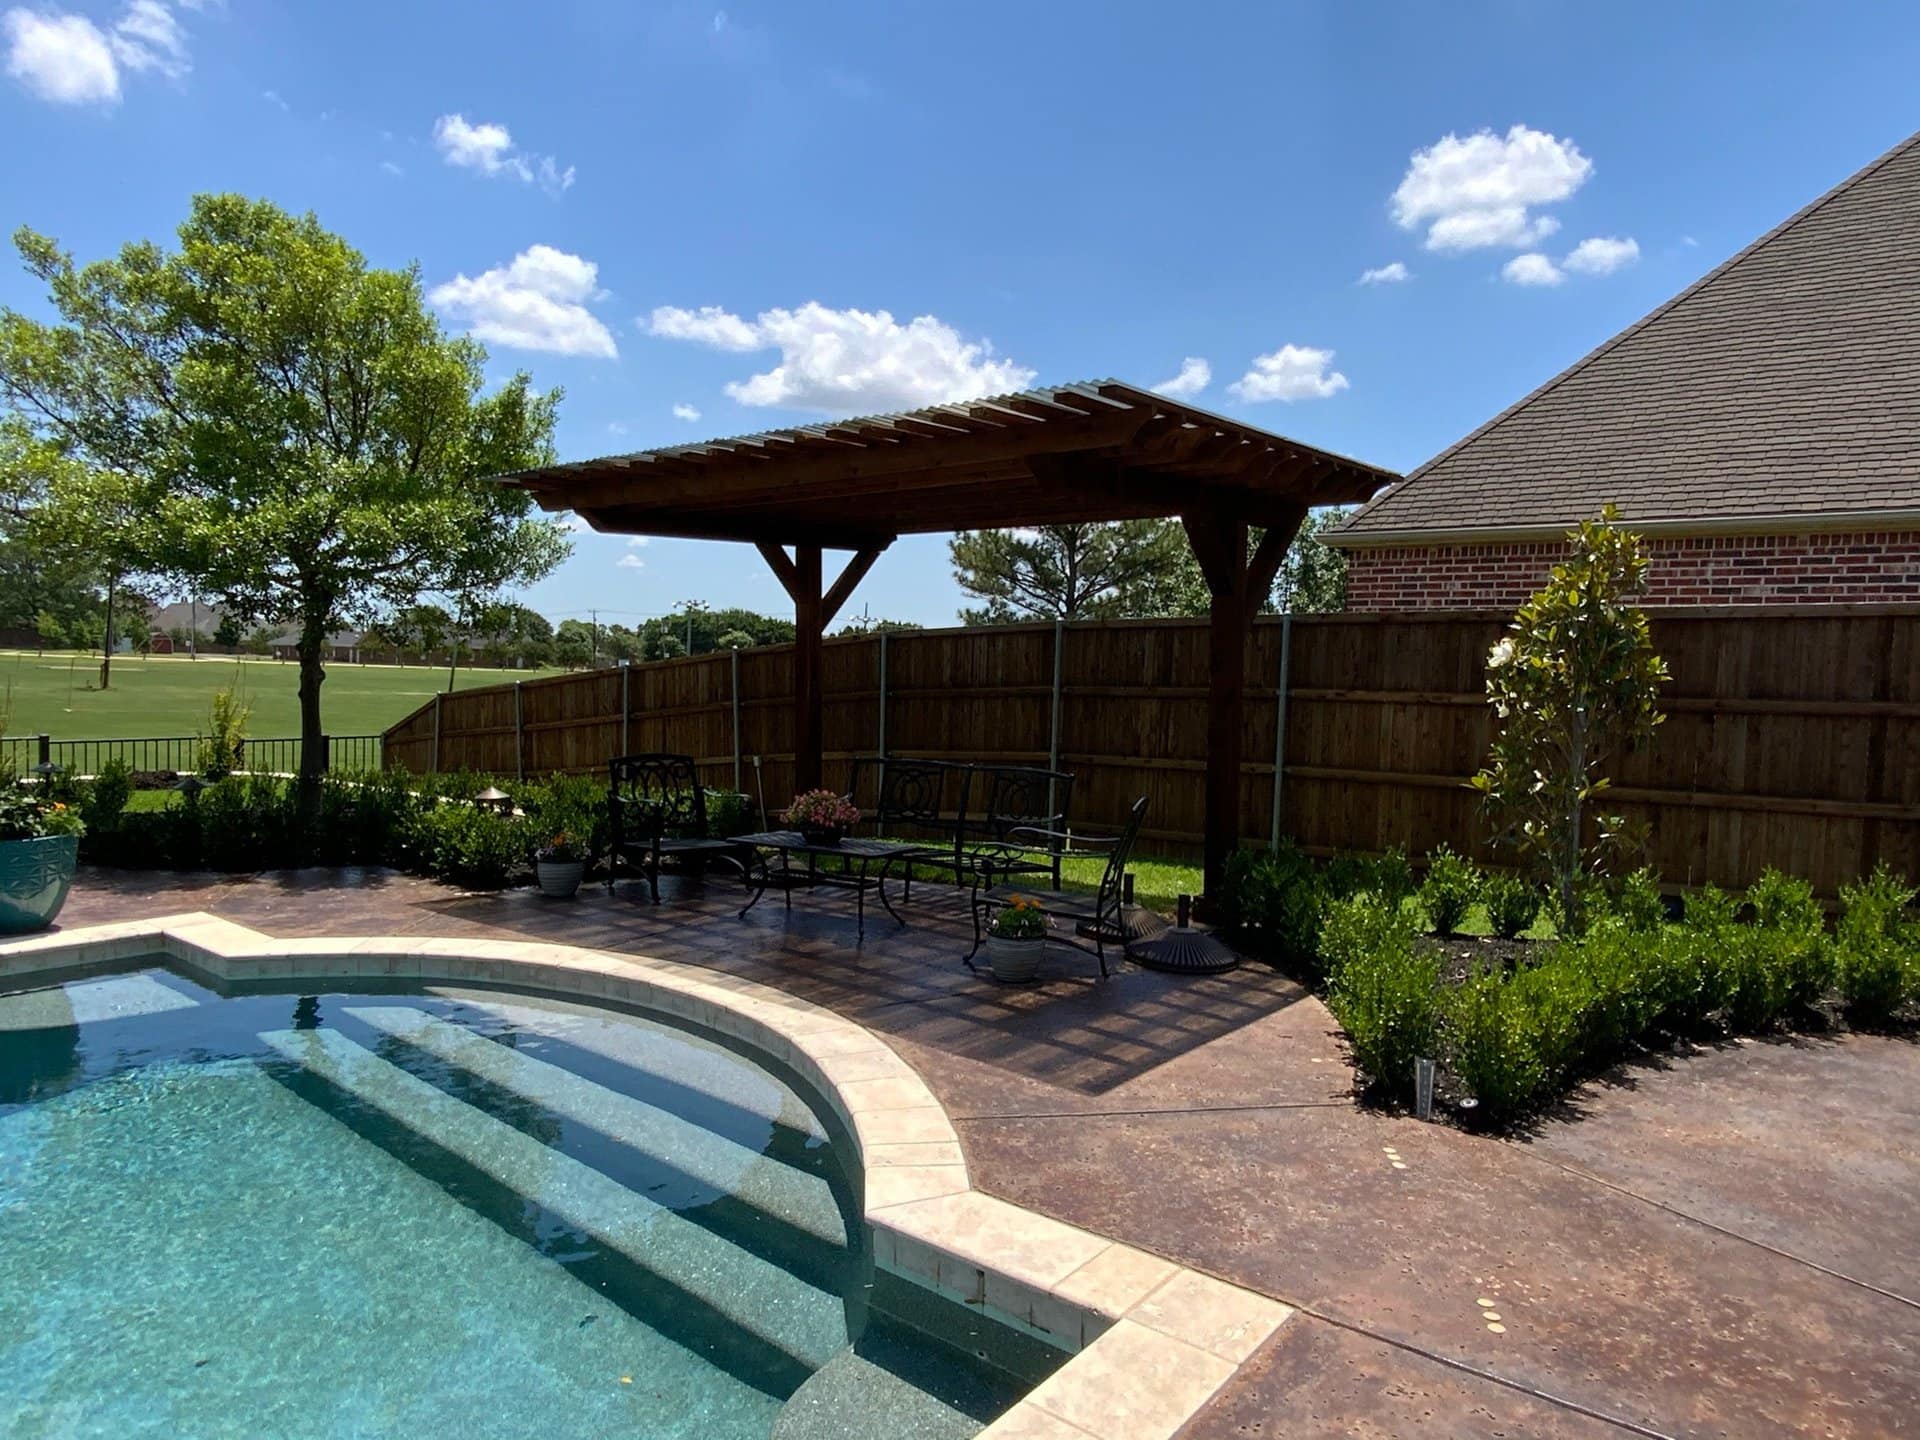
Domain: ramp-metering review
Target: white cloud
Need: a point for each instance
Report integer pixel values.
(1602, 255)
(1195, 375)
(616, 427)
(1532, 268)
(387, 167)
(709, 325)
(685, 412)
(273, 97)
(489, 149)
(70, 60)
(631, 562)
(842, 360)
(1293, 372)
(576, 524)
(1479, 191)
(639, 542)
(537, 302)
(147, 37)
(1394, 273)
(63, 58)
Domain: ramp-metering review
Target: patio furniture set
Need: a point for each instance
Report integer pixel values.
(988, 826)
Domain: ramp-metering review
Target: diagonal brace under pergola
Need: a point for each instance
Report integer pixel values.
(813, 611)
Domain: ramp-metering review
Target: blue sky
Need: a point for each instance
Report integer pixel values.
(762, 213)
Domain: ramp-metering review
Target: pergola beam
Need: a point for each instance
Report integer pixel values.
(800, 576)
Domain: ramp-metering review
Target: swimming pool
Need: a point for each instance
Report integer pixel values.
(453, 1212)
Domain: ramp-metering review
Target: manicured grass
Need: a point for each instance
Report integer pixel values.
(57, 694)
(1157, 884)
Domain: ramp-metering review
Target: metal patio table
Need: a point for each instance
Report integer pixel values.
(864, 866)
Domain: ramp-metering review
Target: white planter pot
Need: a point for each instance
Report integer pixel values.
(559, 878)
(1014, 962)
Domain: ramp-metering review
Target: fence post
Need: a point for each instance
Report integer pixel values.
(733, 691)
(1280, 725)
(519, 737)
(326, 753)
(626, 705)
(883, 695)
(46, 751)
(1053, 719)
(433, 757)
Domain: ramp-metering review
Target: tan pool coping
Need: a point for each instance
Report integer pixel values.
(1151, 1341)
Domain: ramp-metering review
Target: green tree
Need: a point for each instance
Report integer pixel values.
(1573, 683)
(305, 444)
(1312, 579)
(1065, 572)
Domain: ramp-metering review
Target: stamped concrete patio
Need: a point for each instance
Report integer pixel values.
(1724, 1243)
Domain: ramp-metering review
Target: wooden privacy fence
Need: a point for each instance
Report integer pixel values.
(1792, 735)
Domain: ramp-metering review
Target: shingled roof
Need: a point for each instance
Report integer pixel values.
(1783, 387)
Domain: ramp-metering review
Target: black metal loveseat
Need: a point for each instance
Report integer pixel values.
(996, 822)
(657, 811)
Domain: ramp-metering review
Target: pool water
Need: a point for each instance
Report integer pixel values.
(455, 1213)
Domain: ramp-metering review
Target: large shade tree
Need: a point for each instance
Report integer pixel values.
(1126, 568)
(305, 443)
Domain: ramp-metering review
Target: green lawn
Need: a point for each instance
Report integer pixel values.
(57, 694)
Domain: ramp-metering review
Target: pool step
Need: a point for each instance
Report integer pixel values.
(802, 1325)
(777, 1195)
(695, 1065)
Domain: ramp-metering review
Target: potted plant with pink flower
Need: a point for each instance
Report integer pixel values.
(822, 817)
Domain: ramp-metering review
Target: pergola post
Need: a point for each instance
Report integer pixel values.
(813, 610)
(1237, 584)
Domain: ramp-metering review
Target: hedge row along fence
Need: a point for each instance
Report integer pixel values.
(1792, 737)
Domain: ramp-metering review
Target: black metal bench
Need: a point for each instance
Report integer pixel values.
(657, 811)
(1019, 812)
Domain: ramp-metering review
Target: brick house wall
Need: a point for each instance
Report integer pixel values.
(1833, 567)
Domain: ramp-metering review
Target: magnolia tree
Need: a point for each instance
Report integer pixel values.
(1573, 684)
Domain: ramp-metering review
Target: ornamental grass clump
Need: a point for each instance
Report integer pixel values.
(1573, 684)
(1382, 987)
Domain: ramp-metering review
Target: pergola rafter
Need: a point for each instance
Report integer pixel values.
(1095, 451)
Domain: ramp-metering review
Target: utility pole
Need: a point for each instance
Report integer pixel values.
(593, 657)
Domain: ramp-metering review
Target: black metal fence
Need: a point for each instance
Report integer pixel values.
(276, 755)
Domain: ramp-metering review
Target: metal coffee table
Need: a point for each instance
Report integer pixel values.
(864, 866)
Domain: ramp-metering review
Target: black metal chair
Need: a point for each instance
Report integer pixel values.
(657, 810)
(1022, 821)
(1098, 919)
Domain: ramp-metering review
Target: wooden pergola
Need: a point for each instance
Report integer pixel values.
(1065, 454)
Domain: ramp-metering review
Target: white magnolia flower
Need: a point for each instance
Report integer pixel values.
(1501, 654)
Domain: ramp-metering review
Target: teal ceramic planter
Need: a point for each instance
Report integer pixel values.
(35, 876)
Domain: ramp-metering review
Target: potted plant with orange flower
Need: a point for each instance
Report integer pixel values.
(1016, 939)
(559, 865)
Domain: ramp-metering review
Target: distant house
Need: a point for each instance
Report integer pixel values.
(1761, 429)
(169, 624)
(342, 647)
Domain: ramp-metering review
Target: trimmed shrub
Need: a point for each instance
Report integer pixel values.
(1876, 948)
(1276, 898)
(1779, 960)
(470, 846)
(1383, 989)
(106, 799)
(1512, 904)
(1392, 878)
(1448, 893)
(1636, 901)
(1493, 1046)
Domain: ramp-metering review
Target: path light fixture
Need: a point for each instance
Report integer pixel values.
(190, 786)
(495, 799)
